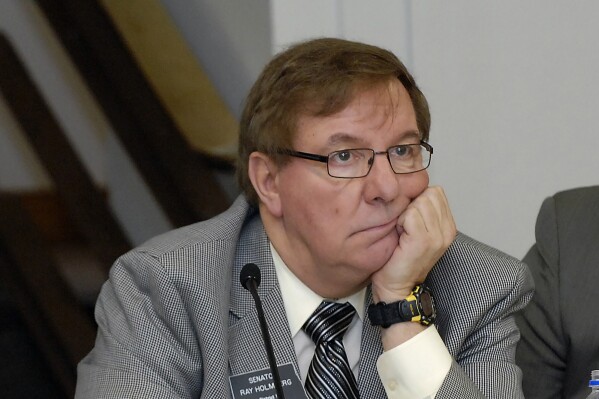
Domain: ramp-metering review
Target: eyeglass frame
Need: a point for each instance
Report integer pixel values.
(325, 158)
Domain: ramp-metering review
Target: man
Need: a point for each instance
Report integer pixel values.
(560, 343)
(336, 207)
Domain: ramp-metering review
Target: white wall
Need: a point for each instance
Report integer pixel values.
(513, 90)
(231, 38)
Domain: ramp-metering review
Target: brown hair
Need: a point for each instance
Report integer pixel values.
(318, 78)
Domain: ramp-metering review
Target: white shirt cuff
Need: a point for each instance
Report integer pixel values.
(415, 369)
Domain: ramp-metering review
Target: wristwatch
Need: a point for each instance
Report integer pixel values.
(418, 307)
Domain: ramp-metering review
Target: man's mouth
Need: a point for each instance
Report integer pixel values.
(380, 229)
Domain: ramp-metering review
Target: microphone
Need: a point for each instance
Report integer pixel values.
(250, 280)
(250, 273)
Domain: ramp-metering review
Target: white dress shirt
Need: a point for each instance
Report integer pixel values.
(415, 369)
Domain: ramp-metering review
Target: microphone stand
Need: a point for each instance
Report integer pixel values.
(253, 288)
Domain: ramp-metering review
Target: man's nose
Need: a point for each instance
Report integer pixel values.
(382, 182)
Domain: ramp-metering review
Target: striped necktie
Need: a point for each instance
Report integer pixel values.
(330, 375)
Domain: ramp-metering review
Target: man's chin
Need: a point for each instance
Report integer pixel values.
(387, 242)
(378, 253)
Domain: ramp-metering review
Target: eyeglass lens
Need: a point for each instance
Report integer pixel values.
(349, 163)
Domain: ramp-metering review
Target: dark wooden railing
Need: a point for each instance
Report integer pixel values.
(55, 319)
(181, 179)
(85, 202)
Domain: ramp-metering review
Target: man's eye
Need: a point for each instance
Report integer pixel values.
(344, 157)
(401, 151)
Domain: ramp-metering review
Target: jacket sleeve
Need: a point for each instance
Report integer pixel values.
(476, 320)
(541, 353)
(141, 348)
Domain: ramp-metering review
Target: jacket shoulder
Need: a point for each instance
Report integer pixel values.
(577, 204)
(469, 263)
(589, 193)
(225, 227)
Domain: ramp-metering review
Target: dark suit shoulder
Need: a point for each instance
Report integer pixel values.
(578, 207)
(586, 194)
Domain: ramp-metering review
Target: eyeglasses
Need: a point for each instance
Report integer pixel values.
(357, 162)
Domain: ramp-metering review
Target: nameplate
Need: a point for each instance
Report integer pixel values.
(260, 384)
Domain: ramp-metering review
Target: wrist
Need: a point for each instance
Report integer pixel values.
(418, 307)
(393, 294)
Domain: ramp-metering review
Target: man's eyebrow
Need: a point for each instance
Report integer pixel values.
(351, 140)
(344, 138)
(412, 134)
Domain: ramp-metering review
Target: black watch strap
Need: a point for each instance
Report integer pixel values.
(417, 307)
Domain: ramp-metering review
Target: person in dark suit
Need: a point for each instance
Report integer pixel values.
(351, 242)
(560, 333)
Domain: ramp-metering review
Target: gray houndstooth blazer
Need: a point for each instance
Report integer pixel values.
(174, 321)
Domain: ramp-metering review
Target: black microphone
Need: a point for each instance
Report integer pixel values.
(250, 280)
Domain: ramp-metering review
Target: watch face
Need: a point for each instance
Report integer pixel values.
(427, 303)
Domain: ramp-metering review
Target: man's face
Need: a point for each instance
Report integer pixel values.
(337, 232)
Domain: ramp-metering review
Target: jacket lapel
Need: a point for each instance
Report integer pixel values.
(247, 352)
(246, 346)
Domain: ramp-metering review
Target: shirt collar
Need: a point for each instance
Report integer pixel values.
(300, 301)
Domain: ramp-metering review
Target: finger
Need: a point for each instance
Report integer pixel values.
(421, 230)
(446, 220)
(438, 200)
(427, 206)
(412, 221)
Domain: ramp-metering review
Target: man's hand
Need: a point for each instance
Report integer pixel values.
(426, 229)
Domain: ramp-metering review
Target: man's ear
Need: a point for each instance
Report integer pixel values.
(264, 175)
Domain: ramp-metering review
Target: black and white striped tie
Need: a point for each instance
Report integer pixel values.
(330, 375)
